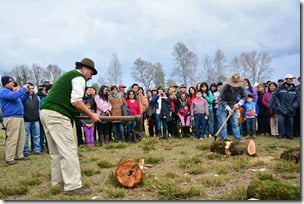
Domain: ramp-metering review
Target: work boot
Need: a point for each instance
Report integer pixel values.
(23, 158)
(11, 162)
(78, 191)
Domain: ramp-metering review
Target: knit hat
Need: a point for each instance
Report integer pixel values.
(6, 79)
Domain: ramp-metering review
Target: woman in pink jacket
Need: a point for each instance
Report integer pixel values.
(103, 107)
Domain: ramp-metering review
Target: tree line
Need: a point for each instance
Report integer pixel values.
(35, 74)
(187, 69)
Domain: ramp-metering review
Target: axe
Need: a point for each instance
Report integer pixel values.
(224, 123)
(138, 118)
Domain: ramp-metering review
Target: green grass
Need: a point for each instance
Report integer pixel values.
(175, 169)
(30, 182)
(105, 164)
(114, 193)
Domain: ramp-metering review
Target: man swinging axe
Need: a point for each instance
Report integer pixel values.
(60, 107)
(228, 101)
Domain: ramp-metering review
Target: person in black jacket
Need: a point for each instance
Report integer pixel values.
(285, 102)
(42, 93)
(31, 122)
(228, 103)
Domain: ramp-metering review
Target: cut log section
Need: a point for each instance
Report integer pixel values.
(138, 129)
(113, 118)
(292, 154)
(233, 148)
(128, 173)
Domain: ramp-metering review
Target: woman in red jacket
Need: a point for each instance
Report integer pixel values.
(134, 108)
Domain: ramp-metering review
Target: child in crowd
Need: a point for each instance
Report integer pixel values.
(88, 127)
(241, 119)
(185, 115)
(251, 111)
(199, 113)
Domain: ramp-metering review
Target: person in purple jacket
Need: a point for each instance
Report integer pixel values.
(12, 108)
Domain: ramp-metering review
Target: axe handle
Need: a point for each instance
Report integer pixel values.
(224, 123)
(112, 118)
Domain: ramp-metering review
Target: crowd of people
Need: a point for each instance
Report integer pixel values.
(45, 118)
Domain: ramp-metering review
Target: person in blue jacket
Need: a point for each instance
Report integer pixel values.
(12, 109)
(285, 100)
(251, 111)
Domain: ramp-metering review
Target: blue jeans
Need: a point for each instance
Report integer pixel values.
(130, 128)
(222, 114)
(118, 131)
(160, 122)
(241, 128)
(33, 129)
(211, 122)
(251, 126)
(285, 124)
(200, 125)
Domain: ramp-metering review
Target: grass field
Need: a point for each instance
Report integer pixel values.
(181, 169)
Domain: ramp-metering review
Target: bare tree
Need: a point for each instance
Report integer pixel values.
(210, 70)
(253, 65)
(185, 63)
(219, 65)
(235, 65)
(114, 71)
(22, 74)
(142, 72)
(264, 67)
(38, 74)
(169, 82)
(159, 76)
(101, 80)
(244, 66)
(53, 72)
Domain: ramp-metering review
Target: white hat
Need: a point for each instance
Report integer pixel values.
(289, 76)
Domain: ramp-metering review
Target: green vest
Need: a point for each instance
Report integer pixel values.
(59, 97)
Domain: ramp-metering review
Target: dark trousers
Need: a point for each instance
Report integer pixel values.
(79, 132)
(263, 124)
(285, 126)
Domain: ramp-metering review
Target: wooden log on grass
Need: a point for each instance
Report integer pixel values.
(128, 173)
(228, 147)
(138, 129)
(113, 118)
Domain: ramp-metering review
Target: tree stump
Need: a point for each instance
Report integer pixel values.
(228, 147)
(292, 154)
(128, 173)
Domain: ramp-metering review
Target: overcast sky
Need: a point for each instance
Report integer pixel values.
(64, 31)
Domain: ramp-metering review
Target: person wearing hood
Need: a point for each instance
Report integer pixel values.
(286, 100)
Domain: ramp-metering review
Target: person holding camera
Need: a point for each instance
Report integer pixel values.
(163, 112)
(12, 108)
